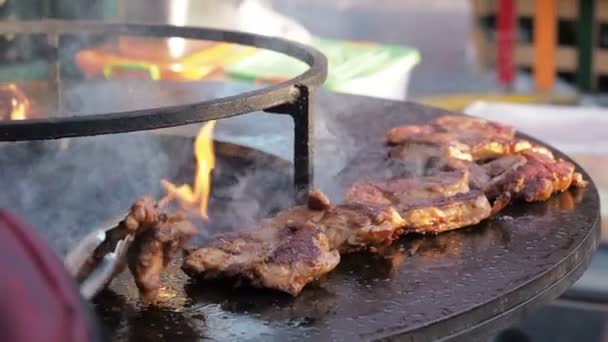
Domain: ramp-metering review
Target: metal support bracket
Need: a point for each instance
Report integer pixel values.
(301, 112)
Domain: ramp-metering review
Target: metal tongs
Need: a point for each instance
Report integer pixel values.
(94, 280)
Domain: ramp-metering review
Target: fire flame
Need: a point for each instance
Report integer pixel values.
(189, 197)
(19, 110)
(18, 104)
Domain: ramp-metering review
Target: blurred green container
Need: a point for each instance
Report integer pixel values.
(354, 68)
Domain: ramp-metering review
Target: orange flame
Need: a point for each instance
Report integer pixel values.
(19, 110)
(18, 104)
(190, 197)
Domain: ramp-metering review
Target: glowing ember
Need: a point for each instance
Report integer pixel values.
(198, 197)
(15, 102)
(19, 110)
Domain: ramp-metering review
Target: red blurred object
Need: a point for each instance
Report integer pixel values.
(505, 33)
(39, 301)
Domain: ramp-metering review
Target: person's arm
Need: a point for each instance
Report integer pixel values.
(39, 301)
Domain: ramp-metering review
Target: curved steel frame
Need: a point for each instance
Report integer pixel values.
(291, 97)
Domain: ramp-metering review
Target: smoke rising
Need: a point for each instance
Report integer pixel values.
(65, 191)
(66, 188)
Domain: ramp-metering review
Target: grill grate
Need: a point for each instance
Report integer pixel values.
(291, 97)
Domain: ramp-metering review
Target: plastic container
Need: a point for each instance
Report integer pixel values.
(159, 59)
(354, 68)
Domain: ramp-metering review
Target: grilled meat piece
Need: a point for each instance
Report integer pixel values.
(349, 227)
(561, 171)
(285, 259)
(318, 201)
(416, 160)
(304, 256)
(447, 144)
(451, 141)
(440, 213)
(407, 190)
(448, 213)
(153, 249)
(461, 137)
(157, 238)
(231, 254)
(297, 246)
(142, 215)
(578, 181)
(478, 176)
(490, 176)
(532, 182)
(535, 179)
(504, 164)
(538, 178)
(447, 170)
(501, 202)
(402, 134)
(355, 227)
(474, 125)
(427, 204)
(482, 177)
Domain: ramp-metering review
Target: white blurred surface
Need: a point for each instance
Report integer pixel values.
(571, 129)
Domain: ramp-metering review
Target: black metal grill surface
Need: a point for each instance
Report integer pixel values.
(463, 283)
